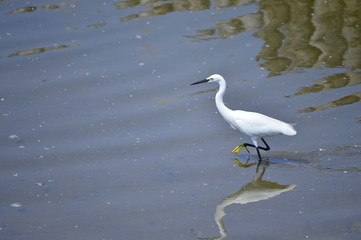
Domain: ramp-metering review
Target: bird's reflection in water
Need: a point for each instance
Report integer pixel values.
(254, 191)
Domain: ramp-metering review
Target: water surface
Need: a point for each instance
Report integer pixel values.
(103, 137)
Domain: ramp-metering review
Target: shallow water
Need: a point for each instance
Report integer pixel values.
(103, 137)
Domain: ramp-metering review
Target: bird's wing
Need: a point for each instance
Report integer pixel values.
(256, 124)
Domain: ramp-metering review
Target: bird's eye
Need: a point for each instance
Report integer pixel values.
(211, 79)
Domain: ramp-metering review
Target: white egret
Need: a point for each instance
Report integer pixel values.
(255, 125)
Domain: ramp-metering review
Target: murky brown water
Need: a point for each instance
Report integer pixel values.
(103, 137)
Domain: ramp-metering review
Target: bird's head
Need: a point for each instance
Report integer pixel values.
(212, 78)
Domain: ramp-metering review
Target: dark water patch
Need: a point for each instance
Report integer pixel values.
(332, 82)
(97, 25)
(40, 50)
(346, 100)
(29, 9)
(343, 159)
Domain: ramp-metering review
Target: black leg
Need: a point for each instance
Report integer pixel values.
(259, 154)
(267, 148)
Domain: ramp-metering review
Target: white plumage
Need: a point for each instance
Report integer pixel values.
(255, 125)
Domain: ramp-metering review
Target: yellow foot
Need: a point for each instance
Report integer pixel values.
(243, 165)
(237, 162)
(238, 148)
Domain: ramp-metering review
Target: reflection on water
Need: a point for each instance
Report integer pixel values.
(332, 82)
(330, 159)
(297, 34)
(254, 191)
(80, 130)
(28, 9)
(305, 34)
(339, 80)
(231, 27)
(97, 25)
(155, 8)
(39, 50)
(349, 99)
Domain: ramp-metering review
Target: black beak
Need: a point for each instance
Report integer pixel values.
(202, 81)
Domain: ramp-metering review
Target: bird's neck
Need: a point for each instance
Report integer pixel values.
(219, 99)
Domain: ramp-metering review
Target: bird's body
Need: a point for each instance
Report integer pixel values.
(255, 125)
(258, 125)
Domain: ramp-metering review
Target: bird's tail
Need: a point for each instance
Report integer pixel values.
(290, 130)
